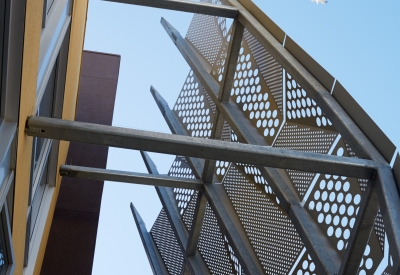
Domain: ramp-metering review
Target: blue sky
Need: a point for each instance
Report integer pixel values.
(356, 41)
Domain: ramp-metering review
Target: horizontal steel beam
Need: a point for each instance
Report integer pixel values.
(196, 147)
(156, 263)
(129, 177)
(186, 6)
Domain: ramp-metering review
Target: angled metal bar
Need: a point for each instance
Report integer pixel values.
(148, 162)
(129, 177)
(361, 231)
(206, 80)
(326, 259)
(156, 263)
(201, 202)
(195, 262)
(389, 201)
(186, 6)
(216, 133)
(174, 123)
(185, 270)
(194, 233)
(231, 227)
(195, 147)
(229, 224)
(232, 56)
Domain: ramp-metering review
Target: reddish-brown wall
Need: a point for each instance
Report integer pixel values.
(72, 239)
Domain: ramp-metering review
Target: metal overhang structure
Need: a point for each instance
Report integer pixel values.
(300, 183)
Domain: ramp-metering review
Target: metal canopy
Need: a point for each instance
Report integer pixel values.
(272, 175)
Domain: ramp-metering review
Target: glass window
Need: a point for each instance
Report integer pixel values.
(6, 254)
(45, 109)
(3, 250)
(47, 5)
(37, 200)
(2, 40)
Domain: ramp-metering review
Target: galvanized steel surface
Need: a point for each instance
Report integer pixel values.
(332, 208)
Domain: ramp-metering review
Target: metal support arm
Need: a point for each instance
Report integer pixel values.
(218, 125)
(195, 147)
(154, 257)
(129, 177)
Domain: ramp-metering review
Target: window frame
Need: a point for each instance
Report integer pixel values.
(47, 161)
(11, 51)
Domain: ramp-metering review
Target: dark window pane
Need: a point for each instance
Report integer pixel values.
(37, 199)
(46, 104)
(2, 31)
(3, 249)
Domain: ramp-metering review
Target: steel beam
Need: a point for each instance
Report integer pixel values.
(156, 263)
(129, 177)
(186, 6)
(197, 223)
(389, 201)
(231, 60)
(361, 231)
(229, 224)
(195, 262)
(195, 147)
(326, 259)
(174, 123)
(216, 133)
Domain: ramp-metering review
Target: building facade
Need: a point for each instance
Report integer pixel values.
(41, 46)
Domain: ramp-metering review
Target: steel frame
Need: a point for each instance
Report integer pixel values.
(381, 191)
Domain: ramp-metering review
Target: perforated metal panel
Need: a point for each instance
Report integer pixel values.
(269, 230)
(181, 169)
(282, 114)
(167, 244)
(193, 108)
(213, 247)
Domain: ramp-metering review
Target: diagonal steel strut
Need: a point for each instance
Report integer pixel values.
(227, 220)
(194, 262)
(156, 262)
(216, 133)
